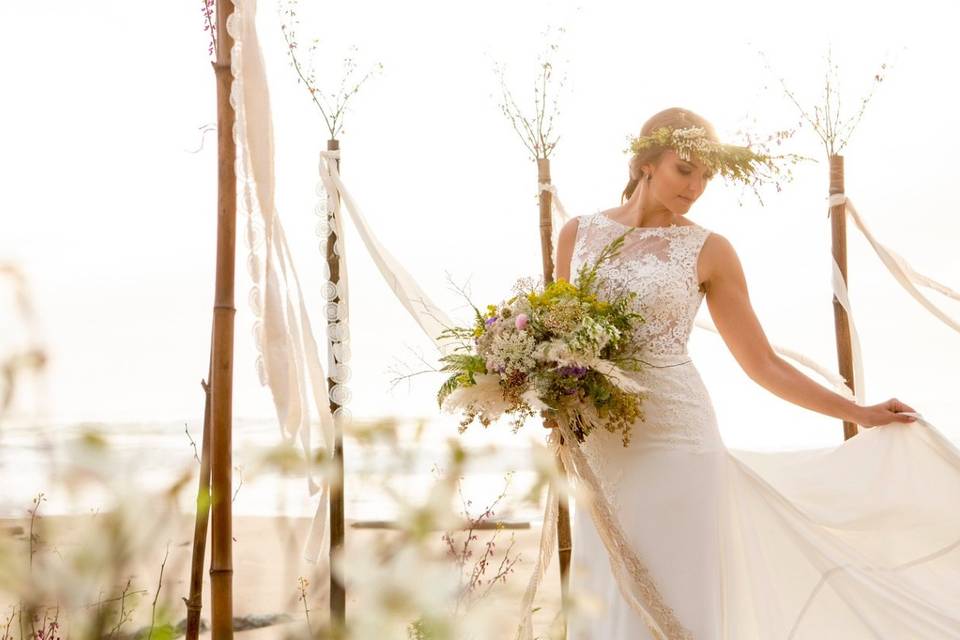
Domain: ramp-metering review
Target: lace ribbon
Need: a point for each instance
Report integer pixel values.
(431, 318)
(634, 580)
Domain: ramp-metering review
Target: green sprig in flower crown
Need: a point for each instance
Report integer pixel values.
(733, 162)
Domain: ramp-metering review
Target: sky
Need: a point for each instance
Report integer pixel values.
(110, 185)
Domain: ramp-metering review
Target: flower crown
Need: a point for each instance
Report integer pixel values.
(733, 162)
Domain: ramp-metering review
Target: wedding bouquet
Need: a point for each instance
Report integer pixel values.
(558, 349)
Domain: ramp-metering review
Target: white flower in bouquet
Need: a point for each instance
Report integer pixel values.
(510, 351)
(590, 337)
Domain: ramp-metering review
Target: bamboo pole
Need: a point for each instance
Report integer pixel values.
(195, 601)
(221, 401)
(838, 233)
(564, 539)
(338, 594)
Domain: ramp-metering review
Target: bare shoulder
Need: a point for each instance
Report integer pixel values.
(568, 234)
(570, 227)
(565, 241)
(718, 259)
(717, 246)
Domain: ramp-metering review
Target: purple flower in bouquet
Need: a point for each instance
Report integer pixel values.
(490, 321)
(574, 371)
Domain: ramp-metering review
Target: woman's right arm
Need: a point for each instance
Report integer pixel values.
(565, 242)
(736, 322)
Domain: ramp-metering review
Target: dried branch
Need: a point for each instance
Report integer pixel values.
(34, 538)
(302, 584)
(834, 131)
(123, 616)
(186, 430)
(204, 129)
(239, 470)
(535, 133)
(210, 26)
(305, 67)
(153, 612)
(471, 579)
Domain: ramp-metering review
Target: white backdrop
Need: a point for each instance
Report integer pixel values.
(113, 219)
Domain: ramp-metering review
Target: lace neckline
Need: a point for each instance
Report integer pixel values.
(630, 226)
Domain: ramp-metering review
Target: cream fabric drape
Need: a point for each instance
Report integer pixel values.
(900, 269)
(431, 318)
(289, 362)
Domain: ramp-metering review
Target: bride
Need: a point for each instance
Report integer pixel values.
(857, 541)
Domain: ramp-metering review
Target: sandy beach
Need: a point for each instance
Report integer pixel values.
(267, 565)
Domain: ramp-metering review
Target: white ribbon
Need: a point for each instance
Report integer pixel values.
(285, 339)
(431, 318)
(901, 270)
(842, 295)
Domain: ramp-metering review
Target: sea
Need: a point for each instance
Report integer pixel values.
(81, 468)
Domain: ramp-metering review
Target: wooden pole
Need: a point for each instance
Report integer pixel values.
(195, 601)
(564, 539)
(546, 220)
(838, 233)
(338, 594)
(221, 401)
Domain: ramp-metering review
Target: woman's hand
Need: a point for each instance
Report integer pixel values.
(884, 413)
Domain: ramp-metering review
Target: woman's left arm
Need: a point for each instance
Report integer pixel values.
(729, 304)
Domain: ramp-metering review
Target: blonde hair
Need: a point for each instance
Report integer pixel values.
(675, 118)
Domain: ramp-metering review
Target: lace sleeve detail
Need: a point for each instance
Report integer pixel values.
(592, 237)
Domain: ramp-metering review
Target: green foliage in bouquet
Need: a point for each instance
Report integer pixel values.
(562, 349)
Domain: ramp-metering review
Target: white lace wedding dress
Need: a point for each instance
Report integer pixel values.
(857, 541)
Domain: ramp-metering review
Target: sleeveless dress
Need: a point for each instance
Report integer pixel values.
(856, 541)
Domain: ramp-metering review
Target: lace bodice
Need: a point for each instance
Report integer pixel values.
(660, 264)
